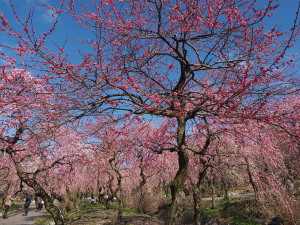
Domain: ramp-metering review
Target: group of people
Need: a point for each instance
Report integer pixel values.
(39, 203)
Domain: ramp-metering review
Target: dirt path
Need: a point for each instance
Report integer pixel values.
(108, 217)
(17, 218)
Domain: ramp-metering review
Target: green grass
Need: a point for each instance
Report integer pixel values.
(73, 215)
(47, 219)
(86, 208)
(130, 212)
(16, 206)
(236, 212)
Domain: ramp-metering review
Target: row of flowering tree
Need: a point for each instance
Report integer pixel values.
(204, 67)
(123, 160)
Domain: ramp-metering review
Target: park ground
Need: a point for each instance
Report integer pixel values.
(239, 210)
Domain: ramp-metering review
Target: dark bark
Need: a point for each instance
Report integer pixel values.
(197, 189)
(141, 187)
(251, 180)
(49, 205)
(178, 181)
(99, 187)
(197, 197)
(31, 181)
(118, 192)
(225, 187)
(110, 188)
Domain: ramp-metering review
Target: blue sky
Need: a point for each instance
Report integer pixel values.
(284, 14)
(284, 17)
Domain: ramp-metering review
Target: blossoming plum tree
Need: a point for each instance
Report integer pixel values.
(32, 142)
(189, 61)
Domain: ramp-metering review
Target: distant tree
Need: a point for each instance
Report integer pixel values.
(33, 143)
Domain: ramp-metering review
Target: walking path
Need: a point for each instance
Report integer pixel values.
(17, 218)
(235, 195)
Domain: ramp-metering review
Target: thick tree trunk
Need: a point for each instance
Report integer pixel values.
(110, 196)
(119, 197)
(176, 187)
(31, 181)
(178, 181)
(53, 210)
(49, 205)
(141, 203)
(118, 193)
(200, 187)
(197, 197)
(198, 193)
(39, 190)
(121, 206)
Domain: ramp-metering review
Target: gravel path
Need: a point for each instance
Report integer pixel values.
(17, 218)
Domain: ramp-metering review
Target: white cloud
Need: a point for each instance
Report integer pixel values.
(48, 16)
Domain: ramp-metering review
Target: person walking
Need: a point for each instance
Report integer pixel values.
(7, 205)
(40, 204)
(93, 200)
(36, 201)
(27, 204)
